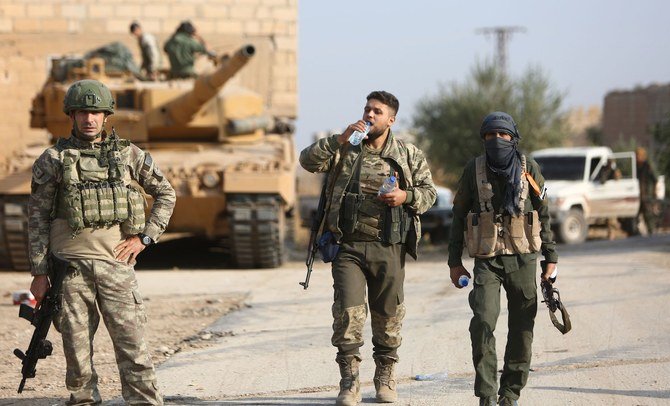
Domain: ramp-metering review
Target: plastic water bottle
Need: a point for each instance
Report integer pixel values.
(438, 376)
(463, 281)
(357, 137)
(388, 185)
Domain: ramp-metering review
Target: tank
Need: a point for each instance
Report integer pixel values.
(231, 164)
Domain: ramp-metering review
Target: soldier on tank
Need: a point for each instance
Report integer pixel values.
(501, 209)
(182, 48)
(373, 233)
(84, 209)
(148, 48)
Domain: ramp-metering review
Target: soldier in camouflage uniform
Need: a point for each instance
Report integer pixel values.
(84, 209)
(374, 233)
(501, 210)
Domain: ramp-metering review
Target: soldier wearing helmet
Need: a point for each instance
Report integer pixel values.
(501, 212)
(85, 210)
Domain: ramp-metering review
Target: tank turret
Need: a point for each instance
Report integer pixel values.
(231, 163)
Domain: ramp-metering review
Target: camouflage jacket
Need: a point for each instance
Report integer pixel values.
(408, 160)
(47, 175)
(466, 199)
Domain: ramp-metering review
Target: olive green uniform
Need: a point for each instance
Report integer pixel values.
(373, 237)
(647, 178)
(100, 285)
(515, 272)
(181, 49)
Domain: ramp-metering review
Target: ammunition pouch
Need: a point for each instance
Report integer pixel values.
(93, 192)
(488, 234)
(396, 225)
(481, 234)
(350, 207)
(136, 220)
(394, 222)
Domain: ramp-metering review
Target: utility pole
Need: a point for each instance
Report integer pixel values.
(502, 35)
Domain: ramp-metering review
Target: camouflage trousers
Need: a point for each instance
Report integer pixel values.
(517, 274)
(108, 289)
(381, 268)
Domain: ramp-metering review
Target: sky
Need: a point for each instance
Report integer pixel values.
(347, 48)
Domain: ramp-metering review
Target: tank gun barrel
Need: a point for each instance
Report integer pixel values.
(182, 109)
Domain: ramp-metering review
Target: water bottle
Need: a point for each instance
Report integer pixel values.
(357, 137)
(463, 281)
(388, 185)
(438, 376)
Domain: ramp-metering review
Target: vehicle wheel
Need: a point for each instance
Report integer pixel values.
(258, 231)
(573, 229)
(14, 233)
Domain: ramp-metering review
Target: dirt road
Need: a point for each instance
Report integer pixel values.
(275, 349)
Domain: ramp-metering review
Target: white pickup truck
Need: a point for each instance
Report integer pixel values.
(578, 197)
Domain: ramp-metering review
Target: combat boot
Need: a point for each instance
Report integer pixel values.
(505, 401)
(350, 387)
(384, 380)
(488, 401)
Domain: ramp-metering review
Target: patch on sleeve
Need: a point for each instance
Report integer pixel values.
(158, 174)
(147, 166)
(40, 176)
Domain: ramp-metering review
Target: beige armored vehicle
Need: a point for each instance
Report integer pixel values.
(232, 166)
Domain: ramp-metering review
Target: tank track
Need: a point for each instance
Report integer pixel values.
(14, 233)
(257, 225)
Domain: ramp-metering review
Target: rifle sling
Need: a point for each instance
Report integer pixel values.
(566, 326)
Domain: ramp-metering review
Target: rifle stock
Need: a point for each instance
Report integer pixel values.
(41, 318)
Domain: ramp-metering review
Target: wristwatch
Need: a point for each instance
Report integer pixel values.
(145, 239)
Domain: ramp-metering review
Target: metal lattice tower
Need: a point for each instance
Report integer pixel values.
(502, 35)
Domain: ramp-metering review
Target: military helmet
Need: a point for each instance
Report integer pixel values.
(89, 95)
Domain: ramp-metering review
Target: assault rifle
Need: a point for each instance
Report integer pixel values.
(553, 300)
(40, 347)
(313, 246)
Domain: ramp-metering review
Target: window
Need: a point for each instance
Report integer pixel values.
(562, 167)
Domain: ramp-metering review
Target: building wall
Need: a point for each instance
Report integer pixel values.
(32, 30)
(631, 115)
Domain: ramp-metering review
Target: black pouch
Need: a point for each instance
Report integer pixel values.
(350, 212)
(392, 234)
(328, 246)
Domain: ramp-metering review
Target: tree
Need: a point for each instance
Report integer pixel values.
(447, 124)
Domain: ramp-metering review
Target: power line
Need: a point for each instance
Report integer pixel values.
(502, 35)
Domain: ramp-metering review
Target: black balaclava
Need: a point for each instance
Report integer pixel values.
(503, 157)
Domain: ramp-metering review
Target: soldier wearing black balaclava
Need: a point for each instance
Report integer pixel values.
(501, 214)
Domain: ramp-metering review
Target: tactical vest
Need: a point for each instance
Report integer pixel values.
(94, 191)
(364, 218)
(489, 234)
